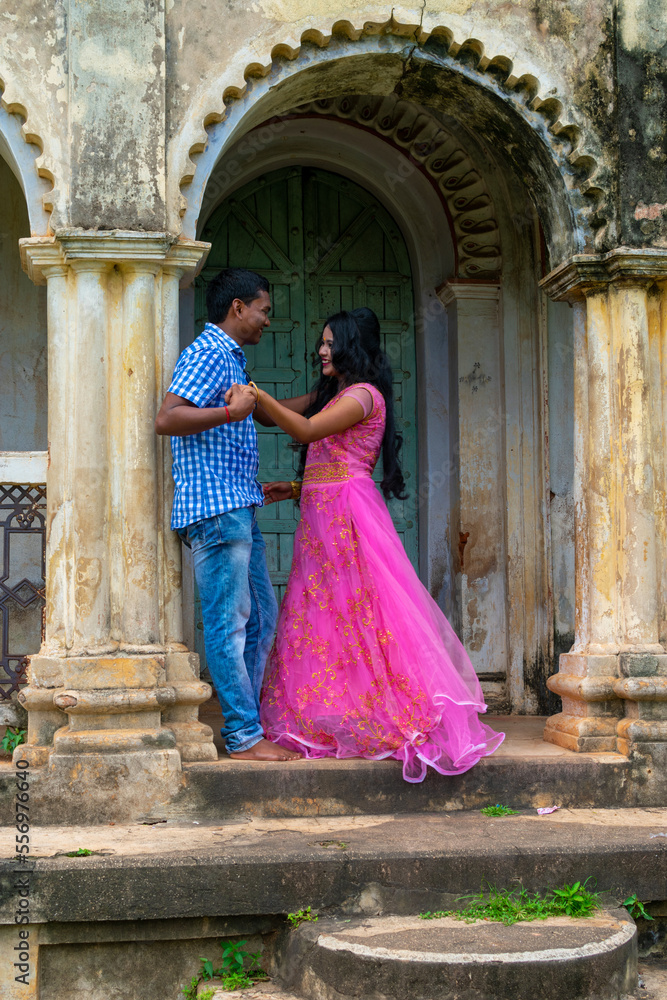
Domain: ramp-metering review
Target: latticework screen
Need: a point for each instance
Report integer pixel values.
(23, 545)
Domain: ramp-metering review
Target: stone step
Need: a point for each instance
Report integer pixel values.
(524, 773)
(365, 865)
(175, 890)
(394, 958)
(229, 789)
(261, 991)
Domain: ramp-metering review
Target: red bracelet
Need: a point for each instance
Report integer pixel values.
(229, 419)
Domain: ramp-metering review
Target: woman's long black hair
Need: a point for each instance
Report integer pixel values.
(358, 357)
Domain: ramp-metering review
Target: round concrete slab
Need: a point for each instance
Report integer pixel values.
(394, 958)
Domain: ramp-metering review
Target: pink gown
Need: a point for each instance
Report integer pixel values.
(364, 663)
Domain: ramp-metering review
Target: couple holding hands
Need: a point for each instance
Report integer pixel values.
(363, 663)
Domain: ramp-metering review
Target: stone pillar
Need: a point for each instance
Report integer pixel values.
(113, 689)
(614, 680)
(479, 550)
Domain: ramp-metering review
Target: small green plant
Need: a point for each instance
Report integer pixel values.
(576, 900)
(498, 810)
(205, 994)
(509, 906)
(190, 992)
(301, 916)
(236, 961)
(13, 738)
(636, 908)
(83, 852)
(207, 970)
(238, 970)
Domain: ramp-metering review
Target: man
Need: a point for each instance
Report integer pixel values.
(215, 463)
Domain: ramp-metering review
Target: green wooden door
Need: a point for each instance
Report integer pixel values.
(355, 255)
(325, 244)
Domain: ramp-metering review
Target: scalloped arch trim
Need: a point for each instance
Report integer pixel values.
(566, 137)
(9, 98)
(441, 156)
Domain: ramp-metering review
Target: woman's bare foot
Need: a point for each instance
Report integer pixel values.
(265, 750)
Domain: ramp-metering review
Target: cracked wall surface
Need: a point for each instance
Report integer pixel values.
(116, 95)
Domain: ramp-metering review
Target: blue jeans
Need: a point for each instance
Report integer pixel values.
(239, 613)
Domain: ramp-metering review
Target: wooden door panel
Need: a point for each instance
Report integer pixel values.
(372, 269)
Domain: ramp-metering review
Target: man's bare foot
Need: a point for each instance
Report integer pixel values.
(265, 750)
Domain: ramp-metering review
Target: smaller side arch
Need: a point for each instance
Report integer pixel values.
(23, 150)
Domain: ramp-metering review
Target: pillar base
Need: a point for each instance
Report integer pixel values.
(594, 734)
(126, 784)
(193, 739)
(110, 705)
(613, 702)
(643, 686)
(591, 708)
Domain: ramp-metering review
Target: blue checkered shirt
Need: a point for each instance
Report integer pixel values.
(216, 470)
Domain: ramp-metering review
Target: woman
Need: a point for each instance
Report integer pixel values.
(364, 662)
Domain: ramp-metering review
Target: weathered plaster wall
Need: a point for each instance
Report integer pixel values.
(642, 122)
(117, 114)
(33, 78)
(22, 331)
(103, 86)
(558, 43)
(89, 80)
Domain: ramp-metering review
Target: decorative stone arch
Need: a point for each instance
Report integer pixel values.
(460, 325)
(23, 149)
(421, 146)
(548, 151)
(451, 169)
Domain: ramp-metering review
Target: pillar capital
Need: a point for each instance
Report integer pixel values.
(586, 274)
(76, 247)
(458, 289)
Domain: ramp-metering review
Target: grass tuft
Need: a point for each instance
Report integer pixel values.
(498, 810)
(238, 970)
(509, 906)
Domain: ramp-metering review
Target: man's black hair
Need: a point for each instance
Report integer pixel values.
(232, 283)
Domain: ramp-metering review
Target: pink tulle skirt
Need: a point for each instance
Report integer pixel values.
(364, 663)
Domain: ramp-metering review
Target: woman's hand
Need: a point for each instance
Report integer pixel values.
(343, 414)
(240, 392)
(276, 491)
(180, 417)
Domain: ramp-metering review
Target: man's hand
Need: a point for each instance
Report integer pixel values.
(276, 491)
(179, 417)
(240, 401)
